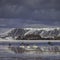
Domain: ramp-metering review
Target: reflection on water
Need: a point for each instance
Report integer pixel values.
(30, 52)
(34, 58)
(36, 50)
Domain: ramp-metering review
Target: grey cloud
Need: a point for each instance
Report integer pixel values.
(16, 8)
(41, 10)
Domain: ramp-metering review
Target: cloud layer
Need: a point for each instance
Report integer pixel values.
(41, 10)
(35, 9)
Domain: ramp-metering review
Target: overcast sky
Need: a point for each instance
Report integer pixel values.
(16, 12)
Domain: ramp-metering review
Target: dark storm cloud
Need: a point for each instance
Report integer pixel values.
(32, 10)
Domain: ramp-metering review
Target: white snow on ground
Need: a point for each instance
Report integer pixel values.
(47, 29)
(5, 31)
(43, 32)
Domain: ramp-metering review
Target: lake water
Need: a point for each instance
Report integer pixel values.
(7, 55)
